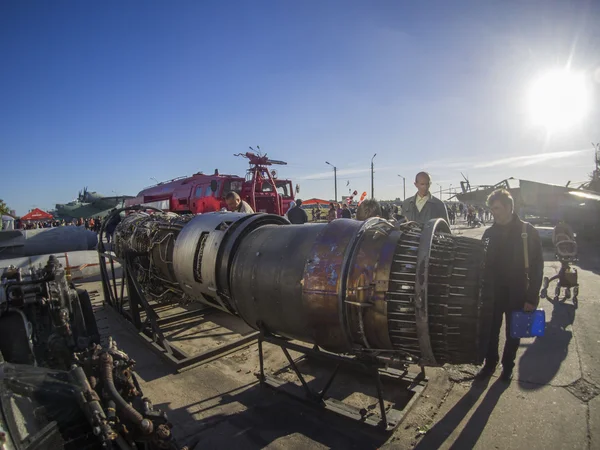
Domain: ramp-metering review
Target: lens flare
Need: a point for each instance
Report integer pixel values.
(558, 100)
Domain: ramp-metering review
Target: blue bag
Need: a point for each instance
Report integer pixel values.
(527, 324)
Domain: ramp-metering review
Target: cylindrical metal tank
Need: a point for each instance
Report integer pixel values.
(201, 256)
(348, 286)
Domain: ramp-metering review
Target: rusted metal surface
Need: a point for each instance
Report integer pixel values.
(324, 284)
(367, 285)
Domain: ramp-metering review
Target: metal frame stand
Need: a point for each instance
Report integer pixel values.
(149, 327)
(387, 420)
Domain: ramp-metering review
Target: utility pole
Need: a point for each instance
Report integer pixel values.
(404, 187)
(372, 181)
(440, 189)
(334, 178)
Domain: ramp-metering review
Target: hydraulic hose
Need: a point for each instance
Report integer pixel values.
(128, 411)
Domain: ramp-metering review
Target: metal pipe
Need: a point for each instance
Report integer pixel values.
(128, 411)
(90, 403)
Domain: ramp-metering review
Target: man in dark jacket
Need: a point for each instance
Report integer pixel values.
(506, 279)
(346, 214)
(111, 225)
(423, 206)
(297, 215)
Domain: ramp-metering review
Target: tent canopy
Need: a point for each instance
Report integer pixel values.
(315, 201)
(37, 214)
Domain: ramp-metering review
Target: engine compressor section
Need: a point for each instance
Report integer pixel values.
(372, 288)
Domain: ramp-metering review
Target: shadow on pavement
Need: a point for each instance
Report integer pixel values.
(472, 431)
(442, 430)
(267, 418)
(589, 256)
(540, 363)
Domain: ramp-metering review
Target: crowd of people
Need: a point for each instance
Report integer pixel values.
(92, 223)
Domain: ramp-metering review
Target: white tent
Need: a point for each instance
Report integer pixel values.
(8, 223)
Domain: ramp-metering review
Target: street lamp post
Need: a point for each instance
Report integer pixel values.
(334, 178)
(440, 189)
(372, 181)
(403, 187)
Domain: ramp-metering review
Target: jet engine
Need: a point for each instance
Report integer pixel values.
(405, 291)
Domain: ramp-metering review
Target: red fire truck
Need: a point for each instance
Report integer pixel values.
(201, 193)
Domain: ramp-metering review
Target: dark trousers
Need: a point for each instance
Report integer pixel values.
(512, 344)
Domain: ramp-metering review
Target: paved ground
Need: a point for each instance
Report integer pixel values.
(553, 401)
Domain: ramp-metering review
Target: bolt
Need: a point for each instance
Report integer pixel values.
(163, 432)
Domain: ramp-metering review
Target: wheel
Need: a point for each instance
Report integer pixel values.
(545, 283)
(556, 298)
(575, 302)
(575, 292)
(557, 290)
(544, 293)
(567, 293)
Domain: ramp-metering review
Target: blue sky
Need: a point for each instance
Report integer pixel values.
(108, 94)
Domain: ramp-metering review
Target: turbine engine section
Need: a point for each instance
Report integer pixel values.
(147, 242)
(397, 292)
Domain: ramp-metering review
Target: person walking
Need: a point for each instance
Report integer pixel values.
(423, 206)
(332, 213)
(297, 215)
(113, 220)
(452, 216)
(346, 214)
(514, 268)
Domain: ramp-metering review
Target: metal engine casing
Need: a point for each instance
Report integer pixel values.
(410, 290)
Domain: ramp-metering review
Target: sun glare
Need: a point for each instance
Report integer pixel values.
(558, 100)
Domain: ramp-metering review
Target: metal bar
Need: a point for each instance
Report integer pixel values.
(380, 396)
(123, 271)
(114, 281)
(183, 316)
(309, 392)
(261, 359)
(387, 421)
(133, 302)
(328, 384)
(105, 283)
